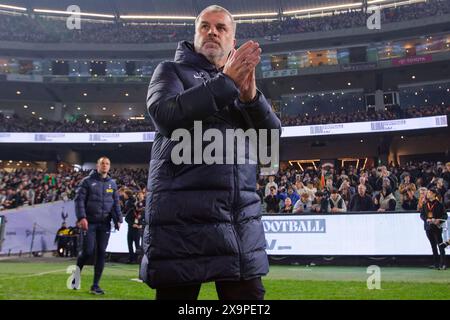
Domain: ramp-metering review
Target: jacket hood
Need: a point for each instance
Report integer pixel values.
(387, 191)
(337, 199)
(185, 53)
(95, 175)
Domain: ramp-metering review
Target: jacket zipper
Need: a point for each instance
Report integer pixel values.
(233, 212)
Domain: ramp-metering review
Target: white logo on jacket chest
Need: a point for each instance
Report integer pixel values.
(199, 75)
(94, 184)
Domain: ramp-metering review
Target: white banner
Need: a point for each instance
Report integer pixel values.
(44, 219)
(365, 127)
(294, 131)
(330, 235)
(69, 137)
(346, 234)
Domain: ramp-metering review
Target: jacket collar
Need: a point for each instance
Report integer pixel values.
(185, 53)
(95, 175)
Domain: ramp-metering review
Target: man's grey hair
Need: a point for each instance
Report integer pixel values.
(216, 8)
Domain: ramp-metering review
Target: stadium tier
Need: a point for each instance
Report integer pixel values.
(203, 143)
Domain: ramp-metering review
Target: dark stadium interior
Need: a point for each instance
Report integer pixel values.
(358, 106)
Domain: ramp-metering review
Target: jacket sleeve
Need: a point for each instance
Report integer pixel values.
(351, 203)
(171, 106)
(344, 206)
(423, 214)
(443, 212)
(392, 205)
(260, 113)
(116, 212)
(324, 206)
(80, 200)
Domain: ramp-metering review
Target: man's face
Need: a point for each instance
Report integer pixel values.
(214, 36)
(410, 193)
(361, 191)
(422, 193)
(103, 166)
(407, 179)
(334, 196)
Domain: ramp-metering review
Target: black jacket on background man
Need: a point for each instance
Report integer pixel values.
(358, 203)
(273, 203)
(432, 210)
(97, 199)
(203, 221)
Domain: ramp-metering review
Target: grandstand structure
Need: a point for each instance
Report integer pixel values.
(57, 85)
(348, 95)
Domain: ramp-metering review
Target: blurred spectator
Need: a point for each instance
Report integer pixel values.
(292, 194)
(385, 200)
(361, 201)
(410, 202)
(320, 203)
(447, 200)
(422, 198)
(270, 185)
(287, 208)
(303, 205)
(272, 201)
(438, 184)
(62, 240)
(336, 203)
(259, 192)
(406, 186)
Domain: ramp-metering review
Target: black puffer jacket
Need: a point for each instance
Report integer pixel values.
(203, 221)
(97, 200)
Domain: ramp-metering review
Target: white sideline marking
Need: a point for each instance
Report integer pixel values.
(33, 275)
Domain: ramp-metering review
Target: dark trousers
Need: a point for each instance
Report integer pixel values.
(252, 289)
(133, 236)
(434, 235)
(96, 237)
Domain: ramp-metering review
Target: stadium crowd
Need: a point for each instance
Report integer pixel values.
(28, 187)
(321, 190)
(391, 113)
(326, 190)
(41, 29)
(16, 123)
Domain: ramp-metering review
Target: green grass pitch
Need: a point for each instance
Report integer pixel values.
(45, 278)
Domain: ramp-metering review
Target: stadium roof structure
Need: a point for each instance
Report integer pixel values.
(188, 9)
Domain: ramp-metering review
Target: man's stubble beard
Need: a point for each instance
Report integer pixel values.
(211, 57)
